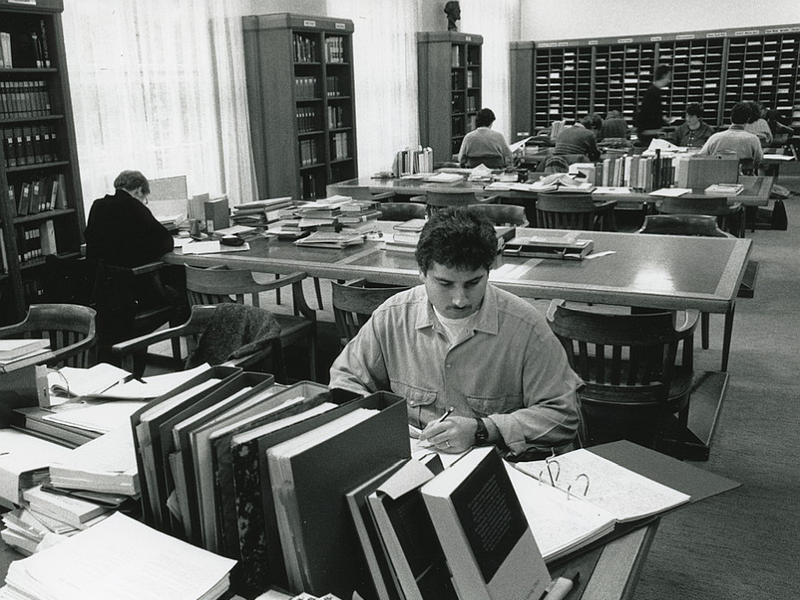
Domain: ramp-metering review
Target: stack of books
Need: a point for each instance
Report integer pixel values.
(331, 239)
(260, 213)
(725, 190)
(359, 215)
(16, 353)
(405, 236)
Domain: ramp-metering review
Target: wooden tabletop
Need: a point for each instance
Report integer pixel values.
(669, 272)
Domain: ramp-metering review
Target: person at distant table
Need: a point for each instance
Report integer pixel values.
(458, 344)
(650, 117)
(485, 146)
(758, 125)
(580, 139)
(614, 126)
(121, 229)
(693, 133)
(735, 139)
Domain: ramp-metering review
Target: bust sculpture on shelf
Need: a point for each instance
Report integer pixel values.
(453, 12)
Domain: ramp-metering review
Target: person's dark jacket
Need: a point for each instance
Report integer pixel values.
(123, 232)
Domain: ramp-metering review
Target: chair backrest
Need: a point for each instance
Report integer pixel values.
(728, 215)
(70, 328)
(502, 214)
(699, 225)
(628, 363)
(565, 211)
(493, 162)
(354, 302)
(216, 286)
(401, 211)
(455, 197)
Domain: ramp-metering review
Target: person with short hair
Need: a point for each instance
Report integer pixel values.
(580, 139)
(614, 126)
(758, 125)
(735, 139)
(693, 133)
(121, 230)
(650, 117)
(457, 341)
(483, 145)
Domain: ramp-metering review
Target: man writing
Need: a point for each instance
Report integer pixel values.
(458, 343)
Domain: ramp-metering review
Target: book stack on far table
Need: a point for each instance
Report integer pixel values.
(359, 215)
(405, 236)
(259, 213)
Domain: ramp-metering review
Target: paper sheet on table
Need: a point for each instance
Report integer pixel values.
(670, 192)
(211, 247)
(512, 271)
(151, 387)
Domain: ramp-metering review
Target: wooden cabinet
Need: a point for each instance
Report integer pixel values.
(302, 111)
(570, 78)
(41, 205)
(449, 69)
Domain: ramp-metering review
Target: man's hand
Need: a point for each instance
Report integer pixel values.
(454, 434)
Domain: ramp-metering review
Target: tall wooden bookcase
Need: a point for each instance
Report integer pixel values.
(299, 73)
(449, 70)
(569, 78)
(41, 205)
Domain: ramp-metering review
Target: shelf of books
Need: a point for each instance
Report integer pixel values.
(569, 78)
(449, 64)
(302, 108)
(41, 208)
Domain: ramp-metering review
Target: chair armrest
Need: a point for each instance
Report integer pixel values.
(383, 196)
(605, 204)
(686, 320)
(551, 310)
(198, 320)
(274, 284)
(151, 267)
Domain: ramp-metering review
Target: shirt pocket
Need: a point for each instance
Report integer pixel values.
(493, 405)
(419, 402)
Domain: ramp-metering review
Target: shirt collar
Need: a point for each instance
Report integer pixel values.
(737, 127)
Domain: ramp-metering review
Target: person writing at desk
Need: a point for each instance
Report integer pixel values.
(484, 145)
(580, 139)
(735, 139)
(693, 133)
(457, 341)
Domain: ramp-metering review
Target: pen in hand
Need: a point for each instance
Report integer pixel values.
(446, 414)
(424, 442)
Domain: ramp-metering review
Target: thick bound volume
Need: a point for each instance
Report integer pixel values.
(547, 247)
(310, 476)
(483, 530)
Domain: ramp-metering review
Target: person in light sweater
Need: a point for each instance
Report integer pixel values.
(484, 145)
(735, 139)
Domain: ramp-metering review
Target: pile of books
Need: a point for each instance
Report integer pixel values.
(17, 353)
(405, 236)
(726, 190)
(331, 239)
(261, 213)
(359, 215)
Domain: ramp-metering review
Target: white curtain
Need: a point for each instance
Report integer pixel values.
(385, 67)
(158, 86)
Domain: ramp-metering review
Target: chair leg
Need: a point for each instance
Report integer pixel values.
(704, 325)
(726, 339)
(277, 291)
(318, 291)
(312, 357)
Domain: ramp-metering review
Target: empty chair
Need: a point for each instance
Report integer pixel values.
(215, 286)
(354, 302)
(201, 319)
(69, 327)
(574, 211)
(444, 198)
(401, 211)
(706, 226)
(502, 214)
(636, 379)
(729, 216)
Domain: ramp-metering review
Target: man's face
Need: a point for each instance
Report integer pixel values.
(455, 293)
(692, 121)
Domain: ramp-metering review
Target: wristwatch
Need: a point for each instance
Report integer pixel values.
(481, 433)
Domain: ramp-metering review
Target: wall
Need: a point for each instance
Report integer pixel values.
(569, 19)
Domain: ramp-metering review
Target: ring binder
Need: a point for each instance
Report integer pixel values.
(585, 490)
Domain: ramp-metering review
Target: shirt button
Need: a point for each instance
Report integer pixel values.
(449, 366)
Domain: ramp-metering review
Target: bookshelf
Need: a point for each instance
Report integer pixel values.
(41, 206)
(299, 74)
(449, 69)
(569, 78)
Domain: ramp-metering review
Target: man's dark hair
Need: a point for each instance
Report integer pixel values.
(132, 180)
(662, 71)
(458, 239)
(484, 118)
(695, 110)
(740, 113)
(592, 121)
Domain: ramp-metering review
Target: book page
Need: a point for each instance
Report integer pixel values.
(623, 493)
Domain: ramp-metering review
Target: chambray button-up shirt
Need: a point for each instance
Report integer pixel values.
(509, 368)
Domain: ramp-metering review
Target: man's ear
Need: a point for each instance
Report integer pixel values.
(421, 277)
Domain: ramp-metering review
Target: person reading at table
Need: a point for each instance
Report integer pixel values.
(580, 140)
(457, 343)
(485, 146)
(746, 145)
(693, 133)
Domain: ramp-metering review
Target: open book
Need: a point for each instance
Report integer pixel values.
(625, 495)
(562, 182)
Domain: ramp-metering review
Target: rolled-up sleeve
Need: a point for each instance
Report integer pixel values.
(361, 366)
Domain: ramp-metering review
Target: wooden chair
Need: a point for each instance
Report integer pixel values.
(574, 211)
(354, 302)
(492, 162)
(445, 198)
(199, 319)
(215, 286)
(401, 211)
(69, 327)
(705, 226)
(729, 217)
(635, 378)
(502, 214)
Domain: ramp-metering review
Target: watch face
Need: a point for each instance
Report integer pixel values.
(481, 433)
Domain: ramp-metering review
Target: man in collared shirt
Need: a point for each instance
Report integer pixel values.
(458, 342)
(735, 139)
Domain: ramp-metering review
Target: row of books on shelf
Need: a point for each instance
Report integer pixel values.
(37, 195)
(36, 240)
(336, 86)
(638, 172)
(309, 153)
(410, 161)
(307, 119)
(29, 145)
(24, 98)
(305, 48)
(335, 49)
(305, 87)
(25, 48)
(340, 148)
(336, 117)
